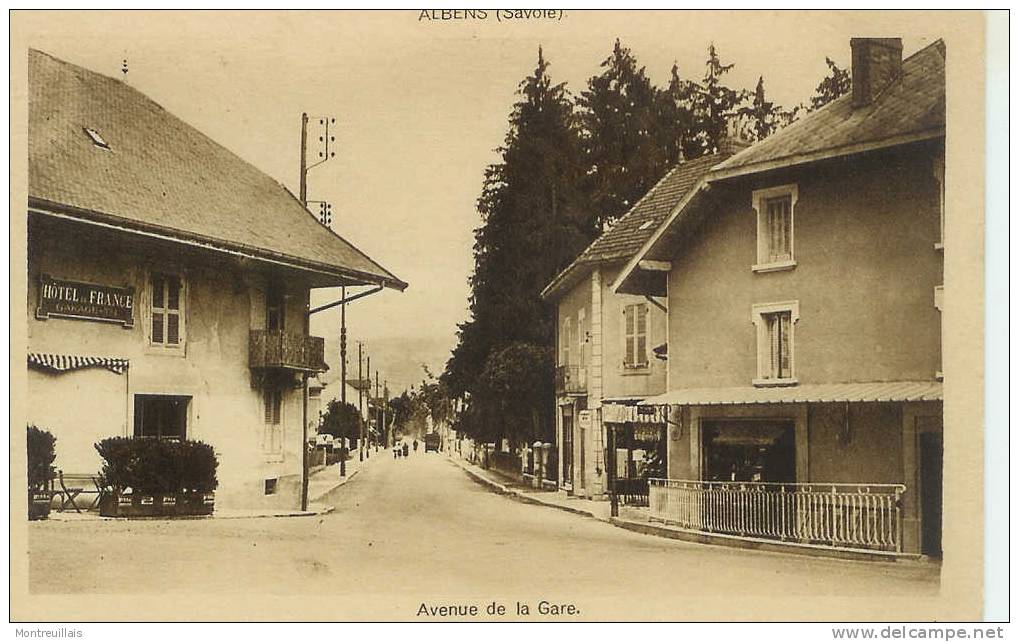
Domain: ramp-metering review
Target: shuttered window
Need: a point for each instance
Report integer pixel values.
(272, 400)
(778, 326)
(167, 313)
(776, 211)
(635, 336)
(778, 219)
(564, 342)
(775, 324)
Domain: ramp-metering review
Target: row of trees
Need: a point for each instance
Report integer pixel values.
(568, 168)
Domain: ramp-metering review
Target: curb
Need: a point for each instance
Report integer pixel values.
(502, 489)
(340, 482)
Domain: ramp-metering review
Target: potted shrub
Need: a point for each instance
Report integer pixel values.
(154, 477)
(41, 453)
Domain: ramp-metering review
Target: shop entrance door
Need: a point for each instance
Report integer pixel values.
(931, 461)
(567, 416)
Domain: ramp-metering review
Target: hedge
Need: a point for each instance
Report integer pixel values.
(152, 467)
(41, 454)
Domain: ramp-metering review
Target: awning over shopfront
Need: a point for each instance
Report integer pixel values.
(806, 393)
(628, 411)
(68, 362)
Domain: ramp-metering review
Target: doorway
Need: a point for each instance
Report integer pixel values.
(567, 417)
(931, 462)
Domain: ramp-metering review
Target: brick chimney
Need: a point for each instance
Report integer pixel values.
(876, 63)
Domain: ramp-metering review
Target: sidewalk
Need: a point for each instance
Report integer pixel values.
(637, 520)
(597, 509)
(327, 479)
(321, 482)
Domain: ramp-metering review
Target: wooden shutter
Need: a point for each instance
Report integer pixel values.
(784, 361)
(173, 310)
(779, 224)
(158, 301)
(629, 323)
(640, 356)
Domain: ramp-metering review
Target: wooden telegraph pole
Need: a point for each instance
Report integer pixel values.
(325, 219)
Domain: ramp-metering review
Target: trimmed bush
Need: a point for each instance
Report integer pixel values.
(156, 467)
(41, 454)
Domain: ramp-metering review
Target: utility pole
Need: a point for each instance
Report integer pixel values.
(371, 403)
(382, 428)
(324, 155)
(385, 402)
(360, 404)
(343, 345)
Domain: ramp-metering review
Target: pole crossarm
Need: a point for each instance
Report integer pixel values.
(348, 299)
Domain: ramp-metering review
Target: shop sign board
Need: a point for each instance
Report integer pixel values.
(88, 301)
(584, 419)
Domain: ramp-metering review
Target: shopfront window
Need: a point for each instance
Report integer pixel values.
(161, 416)
(749, 451)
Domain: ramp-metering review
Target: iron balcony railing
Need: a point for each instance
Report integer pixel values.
(571, 380)
(287, 351)
(840, 516)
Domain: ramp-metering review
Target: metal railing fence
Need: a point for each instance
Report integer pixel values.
(842, 516)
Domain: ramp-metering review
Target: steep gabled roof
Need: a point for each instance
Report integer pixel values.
(102, 151)
(633, 229)
(912, 107)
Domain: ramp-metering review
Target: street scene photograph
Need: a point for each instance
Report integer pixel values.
(497, 315)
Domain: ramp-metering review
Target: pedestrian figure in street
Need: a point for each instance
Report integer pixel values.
(396, 453)
(406, 450)
(415, 445)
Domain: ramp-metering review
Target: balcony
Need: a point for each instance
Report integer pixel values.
(571, 380)
(286, 351)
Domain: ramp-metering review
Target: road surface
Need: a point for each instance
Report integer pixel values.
(419, 530)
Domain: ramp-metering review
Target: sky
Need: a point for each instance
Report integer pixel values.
(421, 105)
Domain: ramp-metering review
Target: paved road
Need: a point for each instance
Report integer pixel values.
(419, 529)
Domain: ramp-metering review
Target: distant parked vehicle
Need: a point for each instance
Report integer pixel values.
(432, 442)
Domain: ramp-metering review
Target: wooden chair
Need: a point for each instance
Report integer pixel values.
(74, 485)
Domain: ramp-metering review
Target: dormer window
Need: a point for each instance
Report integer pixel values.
(775, 207)
(96, 138)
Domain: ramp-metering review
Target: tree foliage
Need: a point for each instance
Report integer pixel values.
(619, 115)
(837, 83)
(567, 169)
(341, 420)
(717, 103)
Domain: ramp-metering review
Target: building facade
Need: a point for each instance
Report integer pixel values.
(612, 351)
(804, 285)
(168, 288)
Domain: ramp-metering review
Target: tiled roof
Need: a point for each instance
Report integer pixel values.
(913, 104)
(161, 175)
(628, 234)
(804, 393)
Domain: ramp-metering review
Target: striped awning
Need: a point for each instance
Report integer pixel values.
(68, 362)
(805, 393)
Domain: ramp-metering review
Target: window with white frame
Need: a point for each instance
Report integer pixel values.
(272, 401)
(775, 323)
(775, 209)
(564, 342)
(635, 335)
(167, 311)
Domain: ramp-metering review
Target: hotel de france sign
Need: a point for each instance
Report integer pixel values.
(76, 300)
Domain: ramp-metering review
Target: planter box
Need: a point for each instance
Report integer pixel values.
(39, 505)
(131, 505)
